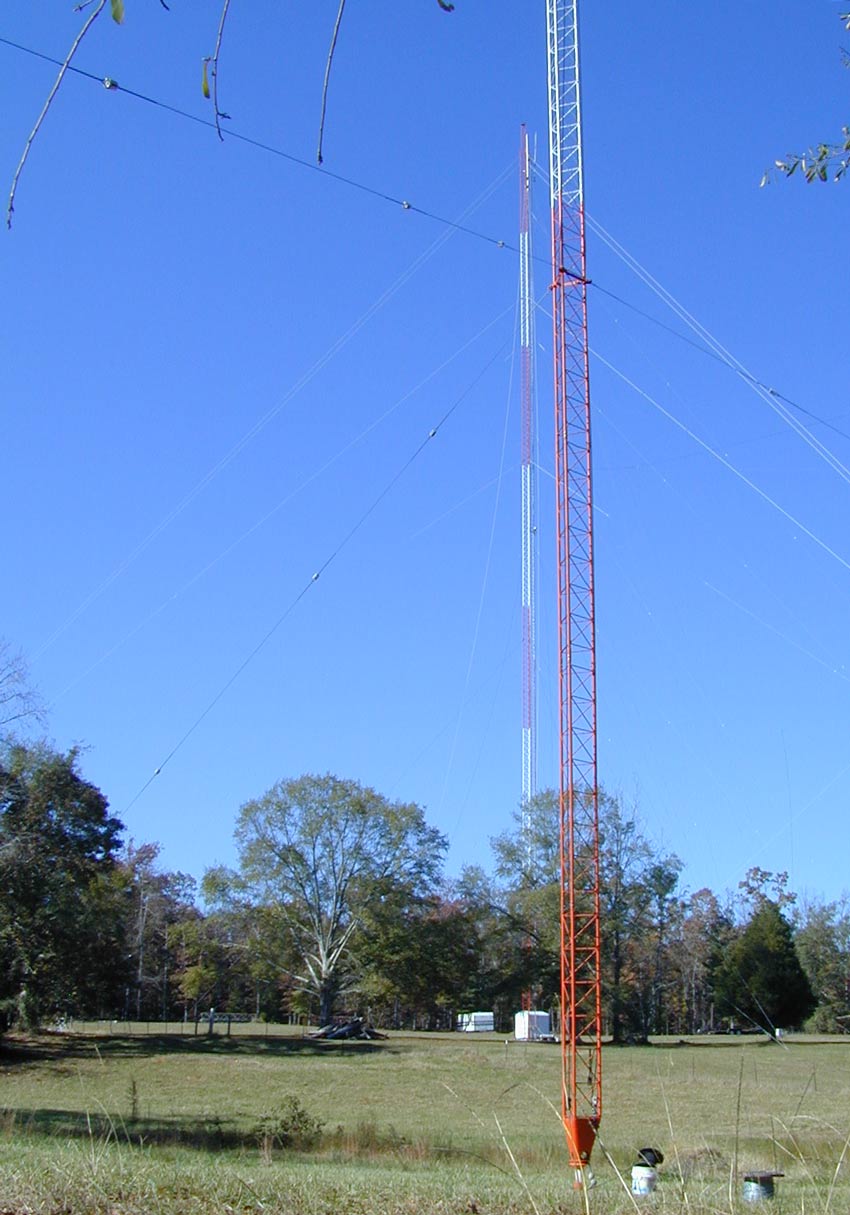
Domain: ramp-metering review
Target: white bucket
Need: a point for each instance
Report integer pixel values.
(758, 1186)
(643, 1179)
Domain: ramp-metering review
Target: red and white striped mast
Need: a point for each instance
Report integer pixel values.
(529, 498)
(529, 520)
(581, 1011)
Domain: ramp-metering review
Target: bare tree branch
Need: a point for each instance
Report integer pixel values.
(327, 79)
(117, 7)
(18, 701)
(64, 68)
(214, 69)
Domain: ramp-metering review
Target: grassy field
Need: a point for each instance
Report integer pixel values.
(144, 1122)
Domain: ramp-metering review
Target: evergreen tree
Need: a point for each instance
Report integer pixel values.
(62, 900)
(759, 978)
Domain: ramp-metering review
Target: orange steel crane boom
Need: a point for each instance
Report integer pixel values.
(581, 1015)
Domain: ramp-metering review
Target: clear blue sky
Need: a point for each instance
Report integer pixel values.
(215, 360)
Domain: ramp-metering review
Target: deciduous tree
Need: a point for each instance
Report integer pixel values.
(421, 959)
(157, 901)
(637, 885)
(823, 944)
(702, 931)
(319, 850)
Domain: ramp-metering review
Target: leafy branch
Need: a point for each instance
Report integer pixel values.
(822, 160)
(819, 163)
(212, 61)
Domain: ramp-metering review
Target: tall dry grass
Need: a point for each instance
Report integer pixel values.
(419, 1123)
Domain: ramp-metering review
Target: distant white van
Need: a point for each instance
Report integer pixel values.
(476, 1022)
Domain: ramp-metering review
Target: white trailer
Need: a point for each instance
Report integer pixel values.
(476, 1022)
(531, 1026)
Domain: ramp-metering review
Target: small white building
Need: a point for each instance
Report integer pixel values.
(476, 1022)
(531, 1026)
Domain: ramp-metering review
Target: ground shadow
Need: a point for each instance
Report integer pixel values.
(725, 1041)
(204, 1134)
(24, 1050)
(212, 1134)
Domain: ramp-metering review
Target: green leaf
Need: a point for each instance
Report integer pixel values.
(205, 82)
(118, 11)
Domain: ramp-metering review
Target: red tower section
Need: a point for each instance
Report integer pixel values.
(579, 819)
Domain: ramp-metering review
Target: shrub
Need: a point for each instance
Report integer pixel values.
(290, 1125)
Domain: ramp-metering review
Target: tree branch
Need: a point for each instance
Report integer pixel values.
(214, 69)
(64, 68)
(327, 79)
(824, 159)
(18, 701)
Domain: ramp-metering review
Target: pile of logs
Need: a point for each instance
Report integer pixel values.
(357, 1028)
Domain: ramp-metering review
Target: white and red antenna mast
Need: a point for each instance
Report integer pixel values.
(581, 1011)
(529, 518)
(529, 497)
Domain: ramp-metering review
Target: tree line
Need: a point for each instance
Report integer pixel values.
(338, 904)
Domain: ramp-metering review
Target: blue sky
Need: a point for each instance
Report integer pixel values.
(216, 360)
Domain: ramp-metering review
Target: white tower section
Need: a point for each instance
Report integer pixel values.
(566, 186)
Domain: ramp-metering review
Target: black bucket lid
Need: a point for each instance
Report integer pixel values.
(650, 1156)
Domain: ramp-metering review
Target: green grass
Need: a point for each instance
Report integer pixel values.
(142, 1123)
